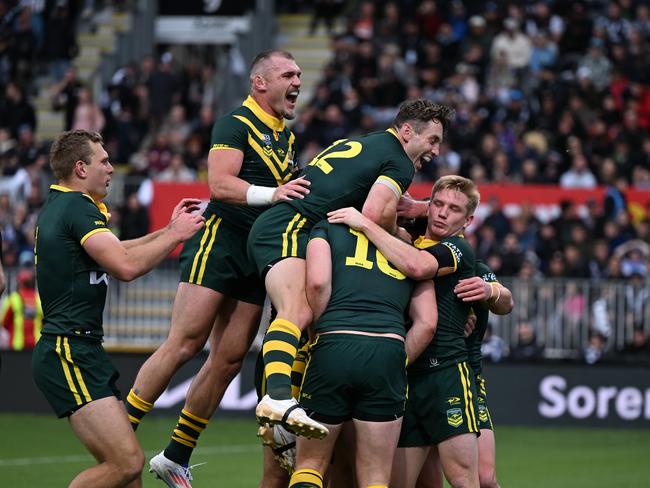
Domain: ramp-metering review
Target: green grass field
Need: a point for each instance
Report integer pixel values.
(40, 451)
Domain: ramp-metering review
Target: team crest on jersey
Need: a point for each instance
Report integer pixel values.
(267, 139)
(455, 417)
(482, 413)
(453, 400)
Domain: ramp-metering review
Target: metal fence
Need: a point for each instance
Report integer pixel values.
(561, 313)
(564, 314)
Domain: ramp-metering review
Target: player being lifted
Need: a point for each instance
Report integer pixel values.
(369, 172)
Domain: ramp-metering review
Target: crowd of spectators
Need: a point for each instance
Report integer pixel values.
(155, 115)
(545, 92)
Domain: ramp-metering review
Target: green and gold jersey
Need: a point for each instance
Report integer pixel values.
(268, 150)
(482, 313)
(72, 286)
(342, 174)
(448, 345)
(368, 293)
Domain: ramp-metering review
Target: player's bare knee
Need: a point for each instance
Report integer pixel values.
(226, 368)
(188, 348)
(488, 479)
(462, 479)
(134, 463)
(306, 316)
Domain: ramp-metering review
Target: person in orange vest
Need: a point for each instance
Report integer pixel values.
(21, 313)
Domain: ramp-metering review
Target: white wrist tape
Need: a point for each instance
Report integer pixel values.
(256, 196)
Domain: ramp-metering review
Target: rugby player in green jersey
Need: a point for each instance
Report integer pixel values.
(487, 295)
(357, 365)
(441, 409)
(369, 172)
(75, 253)
(220, 296)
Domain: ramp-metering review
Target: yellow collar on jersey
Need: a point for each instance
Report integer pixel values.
(100, 205)
(392, 131)
(267, 119)
(422, 242)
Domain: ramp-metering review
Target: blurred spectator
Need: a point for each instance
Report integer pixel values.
(638, 349)
(497, 219)
(599, 260)
(16, 111)
(21, 313)
(579, 175)
(60, 38)
(493, 348)
(134, 219)
(526, 348)
(325, 11)
(514, 44)
(595, 65)
(65, 95)
(595, 348)
(176, 171)
(164, 88)
(87, 115)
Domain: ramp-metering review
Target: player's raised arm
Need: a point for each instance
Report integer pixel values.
(127, 263)
(415, 264)
(381, 206)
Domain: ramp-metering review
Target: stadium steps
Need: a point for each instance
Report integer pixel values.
(93, 45)
(311, 52)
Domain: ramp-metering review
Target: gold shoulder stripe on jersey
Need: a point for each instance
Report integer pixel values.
(267, 149)
(93, 232)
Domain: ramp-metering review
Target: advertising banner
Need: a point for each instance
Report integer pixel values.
(518, 394)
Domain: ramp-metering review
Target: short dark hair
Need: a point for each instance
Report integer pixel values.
(70, 147)
(264, 56)
(420, 111)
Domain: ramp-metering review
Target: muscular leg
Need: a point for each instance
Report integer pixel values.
(103, 427)
(285, 284)
(407, 464)
(314, 455)
(232, 334)
(431, 474)
(273, 475)
(234, 330)
(376, 444)
(341, 471)
(459, 459)
(487, 471)
(188, 333)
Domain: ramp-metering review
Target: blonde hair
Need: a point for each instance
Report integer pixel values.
(460, 184)
(259, 64)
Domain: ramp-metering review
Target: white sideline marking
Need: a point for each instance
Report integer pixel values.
(76, 458)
